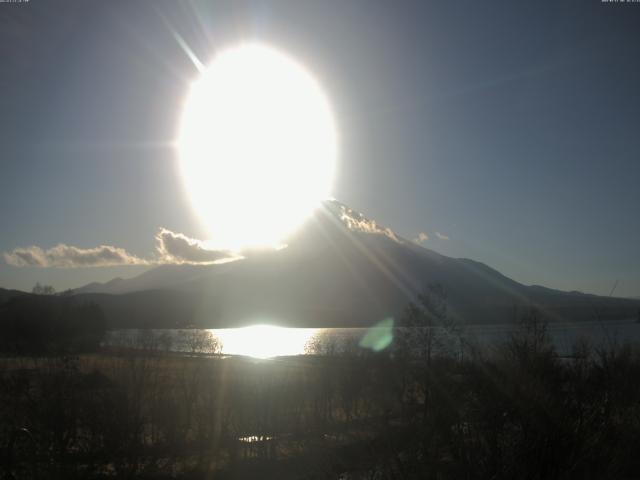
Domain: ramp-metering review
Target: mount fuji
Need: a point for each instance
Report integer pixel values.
(341, 269)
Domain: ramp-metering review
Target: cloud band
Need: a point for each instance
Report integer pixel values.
(171, 248)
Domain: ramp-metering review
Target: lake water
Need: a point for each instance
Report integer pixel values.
(267, 341)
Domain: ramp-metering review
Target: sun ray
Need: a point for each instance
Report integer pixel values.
(185, 47)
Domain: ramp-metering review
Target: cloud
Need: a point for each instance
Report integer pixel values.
(171, 248)
(68, 256)
(442, 236)
(177, 248)
(421, 238)
(357, 222)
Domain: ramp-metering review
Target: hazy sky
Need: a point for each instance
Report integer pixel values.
(513, 129)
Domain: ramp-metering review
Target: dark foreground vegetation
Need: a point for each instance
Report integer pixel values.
(52, 325)
(417, 409)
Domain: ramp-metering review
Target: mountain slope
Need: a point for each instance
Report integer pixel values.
(8, 294)
(340, 269)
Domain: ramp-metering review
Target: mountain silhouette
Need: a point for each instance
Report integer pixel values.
(339, 269)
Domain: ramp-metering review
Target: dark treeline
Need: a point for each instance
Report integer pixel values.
(417, 409)
(44, 323)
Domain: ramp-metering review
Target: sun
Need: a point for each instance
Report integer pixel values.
(257, 146)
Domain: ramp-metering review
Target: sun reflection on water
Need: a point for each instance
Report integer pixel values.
(264, 341)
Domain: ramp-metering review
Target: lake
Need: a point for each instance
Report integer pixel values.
(268, 341)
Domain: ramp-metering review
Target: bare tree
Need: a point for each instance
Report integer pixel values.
(425, 324)
(39, 289)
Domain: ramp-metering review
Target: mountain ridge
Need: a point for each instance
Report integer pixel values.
(339, 269)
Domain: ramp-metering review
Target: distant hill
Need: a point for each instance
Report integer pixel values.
(340, 269)
(7, 294)
(166, 276)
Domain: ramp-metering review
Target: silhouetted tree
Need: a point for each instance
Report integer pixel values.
(425, 324)
(39, 289)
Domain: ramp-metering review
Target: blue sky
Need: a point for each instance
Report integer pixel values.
(511, 128)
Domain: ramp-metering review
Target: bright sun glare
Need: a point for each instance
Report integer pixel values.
(257, 146)
(264, 341)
